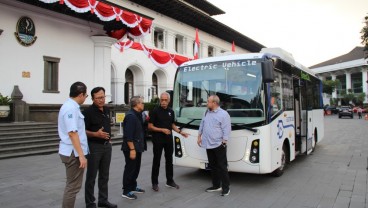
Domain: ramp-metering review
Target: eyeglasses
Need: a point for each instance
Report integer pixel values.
(100, 98)
(85, 95)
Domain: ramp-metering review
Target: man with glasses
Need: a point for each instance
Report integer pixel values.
(161, 124)
(73, 146)
(98, 129)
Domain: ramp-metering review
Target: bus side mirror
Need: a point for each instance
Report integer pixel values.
(267, 71)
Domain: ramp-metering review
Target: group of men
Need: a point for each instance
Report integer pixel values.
(85, 142)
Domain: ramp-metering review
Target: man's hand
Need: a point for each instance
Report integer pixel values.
(132, 154)
(82, 161)
(184, 134)
(166, 131)
(101, 134)
(199, 140)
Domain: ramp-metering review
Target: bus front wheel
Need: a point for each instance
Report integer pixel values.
(284, 157)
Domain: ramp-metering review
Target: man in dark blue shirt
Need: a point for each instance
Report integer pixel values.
(132, 147)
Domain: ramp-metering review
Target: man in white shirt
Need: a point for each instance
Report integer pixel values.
(73, 142)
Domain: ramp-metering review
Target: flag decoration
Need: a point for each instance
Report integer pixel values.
(137, 25)
(233, 47)
(196, 45)
(159, 58)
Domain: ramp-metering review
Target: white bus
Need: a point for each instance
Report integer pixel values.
(275, 105)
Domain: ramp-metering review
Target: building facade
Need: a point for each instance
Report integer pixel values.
(351, 71)
(71, 45)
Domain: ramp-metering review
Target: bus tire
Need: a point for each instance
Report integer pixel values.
(284, 160)
(315, 140)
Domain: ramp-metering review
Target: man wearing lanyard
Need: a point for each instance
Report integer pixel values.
(98, 129)
(213, 134)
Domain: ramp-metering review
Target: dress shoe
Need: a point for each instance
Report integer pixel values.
(107, 205)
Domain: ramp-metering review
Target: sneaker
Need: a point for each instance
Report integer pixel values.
(172, 185)
(129, 195)
(139, 190)
(225, 192)
(155, 187)
(212, 189)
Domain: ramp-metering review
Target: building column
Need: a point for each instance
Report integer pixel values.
(364, 84)
(148, 39)
(189, 47)
(185, 43)
(102, 63)
(334, 93)
(170, 37)
(141, 89)
(165, 39)
(204, 50)
(348, 81)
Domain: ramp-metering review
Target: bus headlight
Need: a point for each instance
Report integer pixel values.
(254, 154)
(178, 150)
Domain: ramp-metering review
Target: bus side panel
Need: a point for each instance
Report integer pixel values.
(318, 123)
(282, 128)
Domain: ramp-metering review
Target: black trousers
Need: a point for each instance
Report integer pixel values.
(217, 162)
(131, 171)
(98, 161)
(157, 152)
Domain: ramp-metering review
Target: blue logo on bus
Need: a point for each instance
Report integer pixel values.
(281, 127)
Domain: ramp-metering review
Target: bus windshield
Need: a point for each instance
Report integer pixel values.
(238, 84)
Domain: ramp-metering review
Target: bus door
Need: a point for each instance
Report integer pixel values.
(306, 116)
(297, 114)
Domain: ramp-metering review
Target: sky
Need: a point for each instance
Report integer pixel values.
(313, 31)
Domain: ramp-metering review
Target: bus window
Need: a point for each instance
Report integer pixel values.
(287, 92)
(276, 102)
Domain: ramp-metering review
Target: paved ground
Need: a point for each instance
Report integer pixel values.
(334, 176)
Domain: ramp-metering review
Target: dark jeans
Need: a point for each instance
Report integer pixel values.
(131, 172)
(98, 162)
(157, 152)
(217, 161)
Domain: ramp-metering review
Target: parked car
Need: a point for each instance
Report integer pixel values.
(346, 111)
(333, 109)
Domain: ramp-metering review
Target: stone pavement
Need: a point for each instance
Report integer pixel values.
(334, 176)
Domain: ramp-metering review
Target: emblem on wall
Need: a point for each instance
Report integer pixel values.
(26, 31)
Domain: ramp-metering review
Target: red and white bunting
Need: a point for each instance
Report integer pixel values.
(160, 58)
(138, 26)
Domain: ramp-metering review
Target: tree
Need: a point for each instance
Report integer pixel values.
(347, 96)
(364, 36)
(359, 99)
(329, 86)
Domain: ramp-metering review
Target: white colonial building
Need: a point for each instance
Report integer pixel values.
(350, 69)
(46, 45)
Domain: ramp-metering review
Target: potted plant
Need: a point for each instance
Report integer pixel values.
(4, 106)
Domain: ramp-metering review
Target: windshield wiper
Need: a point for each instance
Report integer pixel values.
(187, 124)
(242, 125)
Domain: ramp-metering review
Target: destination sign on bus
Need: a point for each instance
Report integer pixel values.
(227, 65)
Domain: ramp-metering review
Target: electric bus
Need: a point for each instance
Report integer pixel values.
(275, 106)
